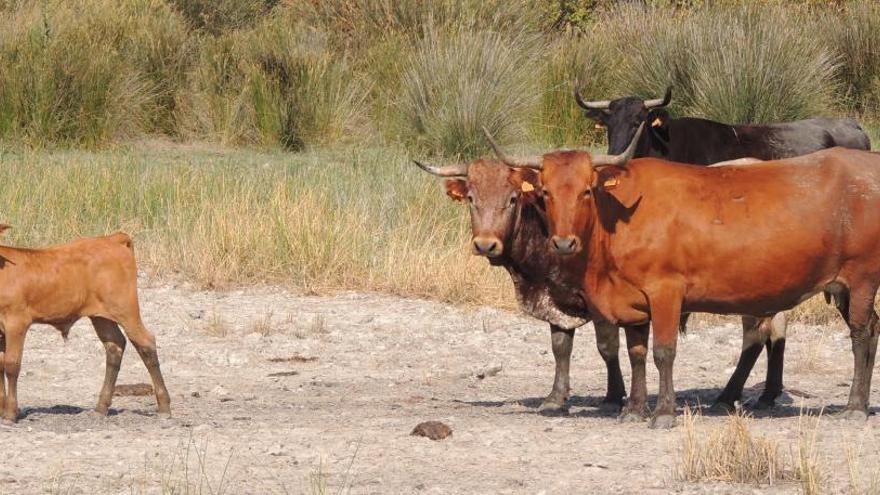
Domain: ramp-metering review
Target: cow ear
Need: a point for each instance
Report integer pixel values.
(456, 189)
(528, 182)
(600, 116)
(657, 118)
(616, 182)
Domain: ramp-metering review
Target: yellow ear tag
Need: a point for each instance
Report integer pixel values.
(611, 183)
(527, 187)
(657, 122)
(599, 126)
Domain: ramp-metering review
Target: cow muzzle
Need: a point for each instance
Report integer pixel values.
(566, 245)
(488, 246)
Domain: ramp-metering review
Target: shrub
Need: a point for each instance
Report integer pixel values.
(276, 84)
(455, 82)
(64, 78)
(219, 16)
(778, 72)
(854, 36)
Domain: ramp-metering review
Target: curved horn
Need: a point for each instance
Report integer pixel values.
(621, 159)
(590, 105)
(535, 162)
(660, 102)
(457, 170)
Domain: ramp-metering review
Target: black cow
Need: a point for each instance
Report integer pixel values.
(703, 142)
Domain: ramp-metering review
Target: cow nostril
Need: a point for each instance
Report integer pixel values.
(492, 247)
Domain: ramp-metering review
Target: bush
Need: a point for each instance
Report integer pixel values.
(573, 61)
(63, 80)
(276, 84)
(779, 72)
(219, 16)
(456, 82)
(854, 36)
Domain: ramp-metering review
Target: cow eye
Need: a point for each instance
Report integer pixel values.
(512, 200)
(470, 198)
(588, 193)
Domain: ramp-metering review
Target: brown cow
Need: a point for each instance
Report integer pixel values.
(94, 278)
(655, 238)
(508, 230)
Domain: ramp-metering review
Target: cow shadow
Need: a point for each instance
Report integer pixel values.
(696, 399)
(61, 410)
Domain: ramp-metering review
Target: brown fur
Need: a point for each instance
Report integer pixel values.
(94, 278)
(668, 238)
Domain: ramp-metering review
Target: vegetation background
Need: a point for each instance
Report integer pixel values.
(268, 141)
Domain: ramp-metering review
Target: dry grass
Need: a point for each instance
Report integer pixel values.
(862, 480)
(345, 219)
(263, 325)
(809, 470)
(729, 453)
(216, 325)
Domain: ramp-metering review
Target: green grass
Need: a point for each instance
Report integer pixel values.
(334, 219)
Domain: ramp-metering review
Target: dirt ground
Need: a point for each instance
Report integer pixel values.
(274, 392)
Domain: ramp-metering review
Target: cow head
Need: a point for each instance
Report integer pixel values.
(569, 182)
(495, 194)
(621, 117)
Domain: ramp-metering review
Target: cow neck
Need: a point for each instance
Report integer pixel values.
(599, 269)
(528, 251)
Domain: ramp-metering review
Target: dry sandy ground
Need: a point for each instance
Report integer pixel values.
(373, 367)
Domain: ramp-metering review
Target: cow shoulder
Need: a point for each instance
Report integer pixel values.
(618, 184)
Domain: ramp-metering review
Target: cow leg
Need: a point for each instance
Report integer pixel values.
(608, 342)
(775, 358)
(858, 310)
(114, 345)
(2, 372)
(752, 343)
(561, 341)
(15, 332)
(637, 349)
(145, 343)
(665, 315)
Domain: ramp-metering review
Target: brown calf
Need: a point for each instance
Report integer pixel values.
(94, 278)
(654, 239)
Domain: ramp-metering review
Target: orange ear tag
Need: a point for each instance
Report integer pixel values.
(657, 122)
(599, 126)
(611, 183)
(527, 187)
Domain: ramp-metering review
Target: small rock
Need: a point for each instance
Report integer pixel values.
(196, 394)
(219, 391)
(492, 371)
(277, 451)
(197, 314)
(434, 430)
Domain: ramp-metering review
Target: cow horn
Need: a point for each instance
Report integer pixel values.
(660, 102)
(535, 162)
(590, 105)
(621, 159)
(457, 170)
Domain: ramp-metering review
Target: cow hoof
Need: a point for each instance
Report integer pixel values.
(100, 412)
(164, 415)
(663, 422)
(8, 422)
(855, 415)
(630, 417)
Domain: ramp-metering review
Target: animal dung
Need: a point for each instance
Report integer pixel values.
(133, 390)
(434, 430)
